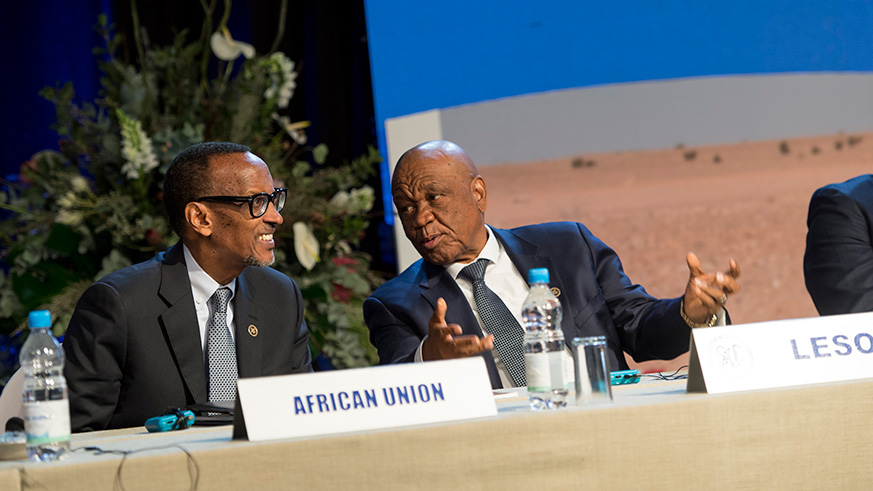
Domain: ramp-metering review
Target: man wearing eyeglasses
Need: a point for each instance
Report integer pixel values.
(180, 328)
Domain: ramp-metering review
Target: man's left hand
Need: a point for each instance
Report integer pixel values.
(707, 293)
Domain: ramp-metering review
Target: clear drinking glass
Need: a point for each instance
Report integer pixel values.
(592, 371)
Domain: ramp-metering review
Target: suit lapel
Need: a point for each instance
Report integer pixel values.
(248, 343)
(180, 322)
(439, 283)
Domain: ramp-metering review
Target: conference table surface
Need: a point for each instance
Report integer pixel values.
(653, 436)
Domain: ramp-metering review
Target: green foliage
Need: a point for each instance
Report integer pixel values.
(95, 206)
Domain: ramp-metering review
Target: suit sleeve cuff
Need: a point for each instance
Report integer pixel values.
(721, 318)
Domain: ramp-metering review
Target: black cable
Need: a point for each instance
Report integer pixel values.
(181, 423)
(670, 376)
(119, 484)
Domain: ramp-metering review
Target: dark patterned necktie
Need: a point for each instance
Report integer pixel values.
(220, 351)
(499, 322)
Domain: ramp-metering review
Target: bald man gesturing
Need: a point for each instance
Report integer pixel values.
(429, 312)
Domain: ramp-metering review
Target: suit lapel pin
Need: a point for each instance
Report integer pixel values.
(253, 330)
(556, 291)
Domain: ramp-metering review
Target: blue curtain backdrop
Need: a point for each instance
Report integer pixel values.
(49, 42)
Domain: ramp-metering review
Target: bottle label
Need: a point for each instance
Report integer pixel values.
(557, 369)
(569, 369)
(537, 372)
(47, 421)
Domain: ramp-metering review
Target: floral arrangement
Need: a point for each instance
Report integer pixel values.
(94, 206)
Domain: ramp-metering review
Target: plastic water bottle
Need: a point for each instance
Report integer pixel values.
(45, 400)
(547, 379)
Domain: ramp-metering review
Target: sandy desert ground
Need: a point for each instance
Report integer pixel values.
(748, 201)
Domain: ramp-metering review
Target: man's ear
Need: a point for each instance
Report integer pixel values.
(199, 218)
(477, 186)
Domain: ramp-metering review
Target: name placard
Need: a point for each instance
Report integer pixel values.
(340, 401)
(781, 353)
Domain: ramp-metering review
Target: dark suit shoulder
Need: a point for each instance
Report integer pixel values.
(829, 203)
(859, 188)
(551, 235)
(550, 229)
(132, 277)
(398, 288)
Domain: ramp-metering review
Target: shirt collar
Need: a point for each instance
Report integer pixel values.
(491, 252)
(202, 285)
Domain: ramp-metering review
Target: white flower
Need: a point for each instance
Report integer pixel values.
(340, 201)
(355, 201)
(283, 79)
(80, 184)
(362, 198)
(69, 217)
(294, 130)
(67, 201)
(227, 48)
(136, 147)
(305, 245)
(344, 246)
(297, 134)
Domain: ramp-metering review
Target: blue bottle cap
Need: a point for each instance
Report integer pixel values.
(538, 275)
(38, 319)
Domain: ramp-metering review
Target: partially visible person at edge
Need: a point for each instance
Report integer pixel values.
(429, 312)
(140, 339)
(838, 262)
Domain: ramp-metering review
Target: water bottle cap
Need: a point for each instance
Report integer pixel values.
(38, 319)
(538, 275)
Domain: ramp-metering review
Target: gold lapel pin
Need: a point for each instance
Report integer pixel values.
(253, 330)
(556, 291)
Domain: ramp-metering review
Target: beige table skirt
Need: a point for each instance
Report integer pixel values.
(655, 436)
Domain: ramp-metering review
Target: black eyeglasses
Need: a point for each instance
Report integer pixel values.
(258, 203)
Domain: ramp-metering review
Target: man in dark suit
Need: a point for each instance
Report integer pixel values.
(429, 311)
(838, 263)
(180, 328)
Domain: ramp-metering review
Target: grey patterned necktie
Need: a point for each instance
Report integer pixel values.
(220, 351)
(499, 322)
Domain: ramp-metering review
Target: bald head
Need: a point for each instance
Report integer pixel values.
(441, 199)
(437, 150)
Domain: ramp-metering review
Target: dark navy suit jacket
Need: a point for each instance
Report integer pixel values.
(133, 345)
(838, 264)
(597, 299)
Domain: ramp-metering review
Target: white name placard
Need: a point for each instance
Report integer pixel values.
(781, 353)
(340, 401)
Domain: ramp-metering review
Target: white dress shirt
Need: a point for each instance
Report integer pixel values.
(502, 277)
(202, 287)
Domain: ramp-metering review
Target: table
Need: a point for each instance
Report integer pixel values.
(655, 436)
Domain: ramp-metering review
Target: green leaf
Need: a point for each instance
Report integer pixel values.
(40, 284)
(62, 238)
(319, 153)
(300, 170)
(314, 293)
(355, 283)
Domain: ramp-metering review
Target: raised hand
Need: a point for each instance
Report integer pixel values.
(706, 293)
(445, 341)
